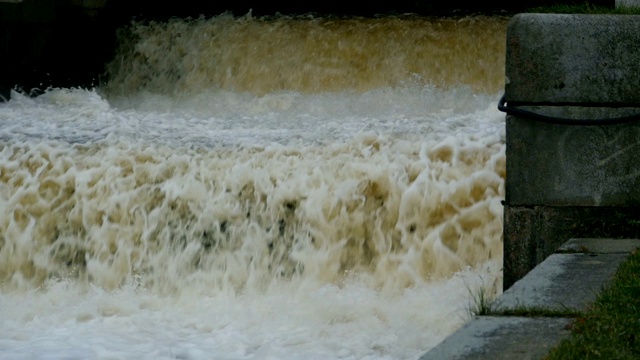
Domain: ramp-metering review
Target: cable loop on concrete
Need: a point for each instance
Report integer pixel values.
(502, 106)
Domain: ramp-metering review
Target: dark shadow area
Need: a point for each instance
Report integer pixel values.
(533, 233)
(194, 8)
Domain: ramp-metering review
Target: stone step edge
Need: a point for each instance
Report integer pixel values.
(507, 337)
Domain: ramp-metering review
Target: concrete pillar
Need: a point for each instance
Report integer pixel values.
(569, 174)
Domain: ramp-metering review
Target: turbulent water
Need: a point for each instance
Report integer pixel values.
(257, 188)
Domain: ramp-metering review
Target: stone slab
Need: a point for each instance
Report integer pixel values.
(573, 58)
(562, 282)
(497, 338)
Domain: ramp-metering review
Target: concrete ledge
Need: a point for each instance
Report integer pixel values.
(575, 59)
(508, 338)
(569, 280)
(562, 282)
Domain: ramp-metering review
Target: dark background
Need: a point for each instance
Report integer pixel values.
(149, 8)
(65, 43)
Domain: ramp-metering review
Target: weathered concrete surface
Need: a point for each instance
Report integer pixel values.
(520, 243)
(568, 280)
(580, 67)
(532, 233)
(497, 338)
(562, 282)
(575, 59)
(564, 165)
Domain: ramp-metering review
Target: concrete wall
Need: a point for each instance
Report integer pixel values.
(570, 178)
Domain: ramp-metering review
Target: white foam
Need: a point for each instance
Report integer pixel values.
(245, 225)
(296, 241)
(351, 321)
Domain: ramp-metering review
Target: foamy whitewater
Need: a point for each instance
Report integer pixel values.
(243, 188)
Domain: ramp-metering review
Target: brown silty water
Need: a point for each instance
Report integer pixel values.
(398, 210)
(310, 55)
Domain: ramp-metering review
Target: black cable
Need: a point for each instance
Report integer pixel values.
(565, 121)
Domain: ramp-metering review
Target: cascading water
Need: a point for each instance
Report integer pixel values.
(252, 188)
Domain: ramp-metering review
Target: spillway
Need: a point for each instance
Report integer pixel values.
(257, 187)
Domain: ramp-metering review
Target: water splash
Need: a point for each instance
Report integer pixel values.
(308, 55)
(169, 216)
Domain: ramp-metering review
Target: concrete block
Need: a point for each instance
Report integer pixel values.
(573, 59)
(564, 165)
(569, 180)
(579, 61)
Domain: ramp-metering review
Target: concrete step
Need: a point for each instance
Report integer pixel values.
(569, 280)
(502, 337)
